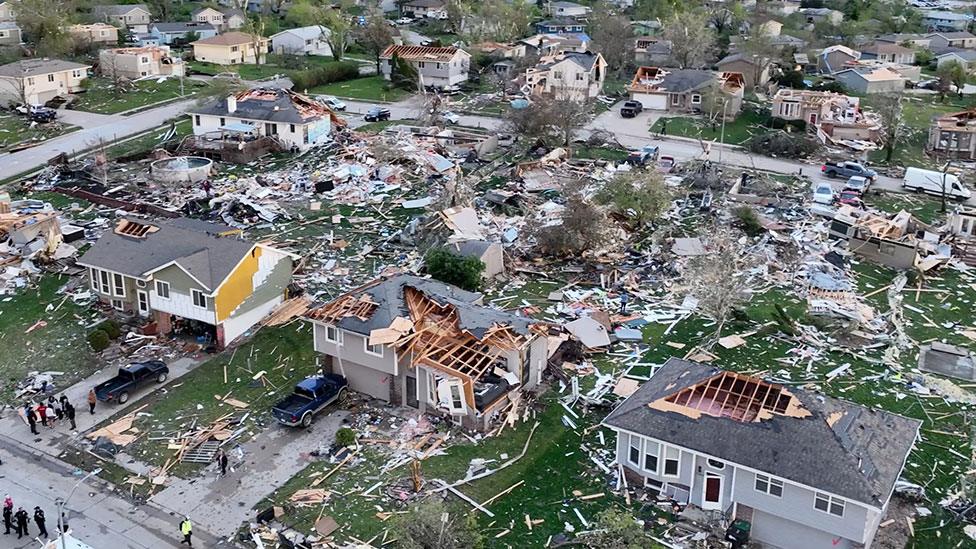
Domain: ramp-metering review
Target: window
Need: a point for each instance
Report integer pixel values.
(456, 402)
(234, 48)
(118, 305)
(141, 283)
(50, 78)
(118, 285)
(828, 504)
(696, 99)
(291, 127)
(769, 485)
(145, 60)
(376, 350)
(671, 461)
(716, 464)
(557, 75)
(162, 289)
(333, 334)
(104, 280)
(30, 81)
(223, 121)
(270, 129)
(196, 119)
(651, 452)
(634, 455)
(421, 64)
(675, 99)
(93, 278)
(199, 299)
(580, 77)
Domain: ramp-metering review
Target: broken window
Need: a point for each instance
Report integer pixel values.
(828, 504)
(672, 458)
(769, 485)
(162, 289)
(199, 299)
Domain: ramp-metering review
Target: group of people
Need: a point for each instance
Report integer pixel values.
(18, 521)
(49, 413)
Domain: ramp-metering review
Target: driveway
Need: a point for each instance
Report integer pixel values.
(611, 121)
(221, 505)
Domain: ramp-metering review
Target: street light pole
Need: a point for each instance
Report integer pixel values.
(721, 139)
(61, 502)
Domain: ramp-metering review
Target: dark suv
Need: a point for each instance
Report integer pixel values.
(631, 109)
(377, 114)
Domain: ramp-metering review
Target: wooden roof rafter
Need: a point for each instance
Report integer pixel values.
(733, 396)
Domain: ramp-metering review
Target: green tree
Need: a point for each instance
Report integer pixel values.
(951, 73)
(616, 529)
(691, 39)
(255, 28)
(446, 266)
(429, 525)
(640, 196)
(613, 37)
(338, 25)
(43, 23)
(656, 9)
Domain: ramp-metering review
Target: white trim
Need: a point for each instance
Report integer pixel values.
(366, 347)
(156, 288)
(93, 279)
(338, 337)
(120, 306)
(619, 430)
(118, 291)
(769, 481)
(664, 467)
(712, 505)
(630, 446)
(831, 501)
(90, 265)
(140, 294)
(188, 273)
(193, 297)
(657, 456)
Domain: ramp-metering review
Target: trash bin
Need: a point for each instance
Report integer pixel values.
(738, 533)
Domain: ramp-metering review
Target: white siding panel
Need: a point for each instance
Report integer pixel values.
(180, 305)
(235, 326)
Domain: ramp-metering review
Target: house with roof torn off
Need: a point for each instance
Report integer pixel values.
(431, 346)
(436, 66)
(189, 277)
(688, 90)
(806, 470)
(568, 75)
(837, 119)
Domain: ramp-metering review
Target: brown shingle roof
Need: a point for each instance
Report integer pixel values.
(228, 39)
(420, 53)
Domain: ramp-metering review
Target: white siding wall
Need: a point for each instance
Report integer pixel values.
(181, 305)
(235, 326)
(210, 123)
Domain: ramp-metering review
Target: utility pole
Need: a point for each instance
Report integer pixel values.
(945, 170)
(61, 502)
(721, 144)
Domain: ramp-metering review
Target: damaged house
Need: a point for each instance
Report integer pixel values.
(436, 66)
(569, 75)
(133, 63)
(805, 470)
(431, 346)
(188, 277)
(837, 119)
(954, 135)
(687, 90)
(252, 122)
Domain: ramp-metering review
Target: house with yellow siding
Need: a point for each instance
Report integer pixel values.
(231, 48)
(188, 278)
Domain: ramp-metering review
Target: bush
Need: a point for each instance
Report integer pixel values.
(111, 328)
(831, 86)
(326, 74)
(782, 144)
(99, 340)
(345, 437)
(748, 220)
(463, 272)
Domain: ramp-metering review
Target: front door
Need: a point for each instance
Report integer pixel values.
(713, 492)
(143, 298)
(412, 400)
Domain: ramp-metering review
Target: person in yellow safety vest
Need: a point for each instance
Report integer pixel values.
(186, 528)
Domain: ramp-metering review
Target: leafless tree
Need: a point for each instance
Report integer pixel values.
(888, 106)
(718, 279)
(552, 120)
(613, 37)
(758, 45)
(376, 36)
(254, 27)
(691, 39)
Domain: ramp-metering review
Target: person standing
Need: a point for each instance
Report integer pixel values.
(69, 412)
(186, 528)
(39, 520)
(52, 417)
(8, 519)
(42, 413)
(92, 399)
(31, 418)
(22, 520)
(221, 459)
(51, 403)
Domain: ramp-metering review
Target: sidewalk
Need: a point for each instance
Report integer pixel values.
(221, 505)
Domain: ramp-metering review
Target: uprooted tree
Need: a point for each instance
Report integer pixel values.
(429, 525)
(719, 280)
(581, 227)
(639, 196)
(551, 120)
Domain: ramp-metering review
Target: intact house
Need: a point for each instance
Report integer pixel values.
(835, 118)
(807, 471)
(231, 48)
(186, 277)
(869, 80)
(913, 40)
(568, 9)
(135, 17)
(966, 58)
(652, 51)
(311, 40)
(96, 33)
(560, 25)
(835, 58)
(688, 90)
(814, 16)
(953, 135)
(946, 21)
(10, 34)
(888, 52)
(224, 19)
(754, 69)
(296, 121)
(427, 345)
(437, 67)
(37, 81)
(133, 63)
(419, 9)
(570, 75)
(180, 33)
(7, 11)
(939, 41)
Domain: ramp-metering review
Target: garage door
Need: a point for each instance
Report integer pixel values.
(651, 101)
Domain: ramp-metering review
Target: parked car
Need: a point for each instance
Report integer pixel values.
(857, 183)
(377, 114)
(233, 76)
(310, 397)
(931, 181)
(331, 102)
(628, 112)
(404, 21)
(851, 198)
(129, 379)
(636, 105)
(823, 193)
(42, 114)
(451, 117)
(848, 169)
(640, 157)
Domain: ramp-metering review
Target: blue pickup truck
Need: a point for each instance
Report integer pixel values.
(310, 397)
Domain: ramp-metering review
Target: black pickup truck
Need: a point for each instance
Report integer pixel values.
(310, 397)
(131, 378)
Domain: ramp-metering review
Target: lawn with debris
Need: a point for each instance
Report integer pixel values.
(104, 97)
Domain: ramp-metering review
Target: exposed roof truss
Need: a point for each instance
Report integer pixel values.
(733, 396)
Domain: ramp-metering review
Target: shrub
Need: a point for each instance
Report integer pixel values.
(99, 340)
(326, 74)
(111, 328)
(782, 144)
(748, 220)
(345, 437)
(463, 272)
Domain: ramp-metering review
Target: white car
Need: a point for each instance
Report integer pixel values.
(451, 117)
(404, 21)
(331, 102)
(823, 193)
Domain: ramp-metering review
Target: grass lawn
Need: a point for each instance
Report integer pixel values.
(14, 130)
(918, 113)
(149, 141)
(102, 98)
(737, 131)
(60, 345)
(371, 88)
(601, 153)
(923, 207)
(273, 67)
(284, 353)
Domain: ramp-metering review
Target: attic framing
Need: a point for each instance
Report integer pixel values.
(361, 307)
(733, 396)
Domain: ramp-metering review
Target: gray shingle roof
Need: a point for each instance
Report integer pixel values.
(274, 105)
(858, 457)
(966, 55)
(190, 243)
(183, 26)
(684, 80)
(34, 67)
(120, 9)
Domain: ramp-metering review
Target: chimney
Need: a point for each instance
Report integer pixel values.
(231, 104)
